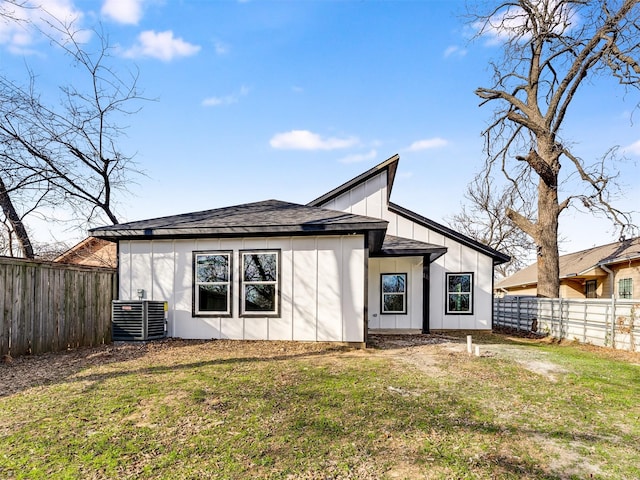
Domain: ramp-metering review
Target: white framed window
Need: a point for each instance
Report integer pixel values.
(393, 289)
(212, 283)
(260, 283)
(459, 299)
(625, 288)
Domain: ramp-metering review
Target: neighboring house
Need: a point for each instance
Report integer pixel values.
(91, 251)
(347, 263)
(599, 272)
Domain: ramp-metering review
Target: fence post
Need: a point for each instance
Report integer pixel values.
(563, 322)
(584, 319)
(613, 321)
(612, 332)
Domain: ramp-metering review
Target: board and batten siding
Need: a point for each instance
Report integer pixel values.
(371, 198)
(412, 266)
(322, 291)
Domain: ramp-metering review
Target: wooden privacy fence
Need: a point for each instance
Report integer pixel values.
(605, 322)
(47, 307)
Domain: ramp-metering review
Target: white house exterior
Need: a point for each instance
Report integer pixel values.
(320, 294)
(280, 271)
(369, 195)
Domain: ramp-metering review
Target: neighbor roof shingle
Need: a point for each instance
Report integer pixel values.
(579, 263)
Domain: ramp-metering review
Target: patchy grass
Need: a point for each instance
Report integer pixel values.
(282, 410)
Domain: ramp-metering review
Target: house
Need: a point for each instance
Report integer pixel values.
(600, 272)
(347, 263)
(91, 251)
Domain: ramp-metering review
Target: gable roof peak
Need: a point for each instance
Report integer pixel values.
(390, 165)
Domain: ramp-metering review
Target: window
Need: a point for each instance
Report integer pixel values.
(625, 288)
(260, 283)
(590, 288)
(459, 293)
(212, 283)
(394, 292)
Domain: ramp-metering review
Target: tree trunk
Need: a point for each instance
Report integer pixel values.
(15, 221)
(547, 226)
(548, 255)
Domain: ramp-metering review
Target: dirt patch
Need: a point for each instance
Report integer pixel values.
(533, 360)
(420, 351)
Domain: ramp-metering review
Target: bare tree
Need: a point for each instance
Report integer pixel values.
(551, 49)
(66, 154)
(483, 218)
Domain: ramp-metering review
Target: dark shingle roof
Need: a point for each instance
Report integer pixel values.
(261, 218)
(397, 246)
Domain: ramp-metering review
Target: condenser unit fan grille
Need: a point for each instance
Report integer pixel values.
(138, 320)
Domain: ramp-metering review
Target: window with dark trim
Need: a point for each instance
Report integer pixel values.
(260, 282)
(393, 287)
(212, 283)
(590, 289)
(459, 295)
(625, 288)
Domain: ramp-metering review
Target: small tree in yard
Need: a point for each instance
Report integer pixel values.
(484, 219)
(551, 50)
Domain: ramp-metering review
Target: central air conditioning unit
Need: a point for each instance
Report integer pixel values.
(138, 320)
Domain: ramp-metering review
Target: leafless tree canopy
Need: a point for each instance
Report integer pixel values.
(64, 154)
(484, 219)
(551, 49)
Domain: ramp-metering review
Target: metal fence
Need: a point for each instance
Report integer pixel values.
(48, 306)
(605, 322)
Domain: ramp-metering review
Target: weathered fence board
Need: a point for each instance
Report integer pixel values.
(605, 322)
(48, 306)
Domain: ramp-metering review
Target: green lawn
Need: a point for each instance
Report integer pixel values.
(257, 410)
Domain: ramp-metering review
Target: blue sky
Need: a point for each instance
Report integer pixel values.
(267, 99)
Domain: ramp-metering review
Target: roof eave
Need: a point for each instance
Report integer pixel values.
(433, 253)
(110, 233)
(613, 261)
(498, 257)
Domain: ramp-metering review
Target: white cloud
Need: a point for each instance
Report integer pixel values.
(33, 19)
(306, 140)
(161, 45)
(633, 149)
(360, 157)
(227, 99)
(454, 50)
(513, 22)
(427, 144)
(123, 11)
